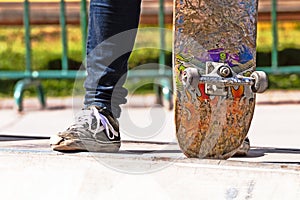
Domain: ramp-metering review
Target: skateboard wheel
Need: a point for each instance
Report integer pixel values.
(260, 81)
(191, 77)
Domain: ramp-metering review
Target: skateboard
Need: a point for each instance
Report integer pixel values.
(214, 74)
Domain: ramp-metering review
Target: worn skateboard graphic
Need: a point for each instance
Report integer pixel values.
(214, 72)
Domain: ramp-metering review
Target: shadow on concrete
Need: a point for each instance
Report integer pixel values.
(149, 151)
(5, 138)
(256, 152)
(265, 150)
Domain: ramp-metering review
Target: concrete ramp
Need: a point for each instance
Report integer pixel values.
(149, 170)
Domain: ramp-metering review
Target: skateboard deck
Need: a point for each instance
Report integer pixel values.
(214, 60)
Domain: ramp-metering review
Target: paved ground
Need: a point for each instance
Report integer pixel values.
(32, 171)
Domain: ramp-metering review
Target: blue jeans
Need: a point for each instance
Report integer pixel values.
(111, 35)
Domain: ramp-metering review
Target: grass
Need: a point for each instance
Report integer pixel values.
(288, 34)
(46, 53)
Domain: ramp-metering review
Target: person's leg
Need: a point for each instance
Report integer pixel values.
(111, 34)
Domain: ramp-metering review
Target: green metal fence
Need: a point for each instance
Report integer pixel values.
(275, 68)
(29, 78)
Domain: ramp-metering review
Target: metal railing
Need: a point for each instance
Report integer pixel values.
(275, 68)
(29, 78)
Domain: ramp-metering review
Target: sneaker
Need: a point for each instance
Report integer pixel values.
(94, 130)
(244, 148)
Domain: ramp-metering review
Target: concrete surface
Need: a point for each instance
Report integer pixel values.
(155, 168)
(41, 175)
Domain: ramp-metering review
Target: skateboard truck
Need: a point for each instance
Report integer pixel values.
(219, 71)
(220, 76)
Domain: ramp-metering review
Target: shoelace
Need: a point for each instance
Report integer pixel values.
(86, 117)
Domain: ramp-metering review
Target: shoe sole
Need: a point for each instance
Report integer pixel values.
(86, 145)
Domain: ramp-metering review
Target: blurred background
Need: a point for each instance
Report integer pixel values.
(50, 36)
